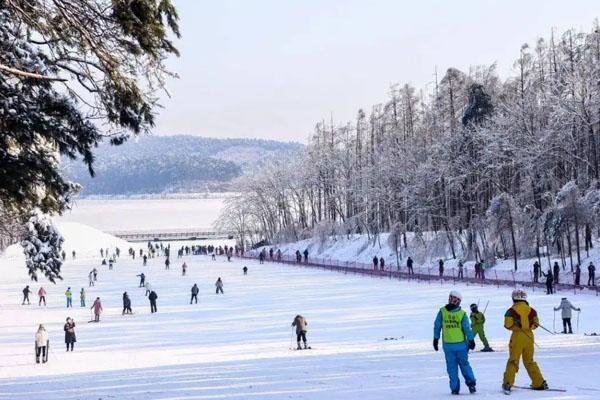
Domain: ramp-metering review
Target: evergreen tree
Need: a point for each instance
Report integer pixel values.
(42, 245)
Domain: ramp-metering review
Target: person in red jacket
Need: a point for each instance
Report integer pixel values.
(97, 307)
(42, 296)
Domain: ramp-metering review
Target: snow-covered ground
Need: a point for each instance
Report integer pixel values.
(359, 250)
(236, 345)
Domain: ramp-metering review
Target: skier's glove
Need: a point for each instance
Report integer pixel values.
(435, 344)
(471, 344)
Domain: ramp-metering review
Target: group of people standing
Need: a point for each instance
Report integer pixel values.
(458, 337)
(553, 274)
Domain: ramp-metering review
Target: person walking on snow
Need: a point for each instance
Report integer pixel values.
(42, 296)
(69, 297)
(97, 307)
(245, 269)
(409, 265)
(91, 278)
(300, 324)
(441, 267)
(69, 329)
(460, 269)
(556, 272)
(183, 268)
(219, 286)
(195, 291)
(457, 339)
(126, 304)
(565, 306)
(82, 297)
(477, 322)
(152, 297)
(381, 263)
(549, 281)
(167, 263)
(521, 319)
(41, 343)
(577, 279)
(375, 262)
(591, 275)
(26, 292)
(536, 272)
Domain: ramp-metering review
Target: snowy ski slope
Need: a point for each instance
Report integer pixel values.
(237, 345)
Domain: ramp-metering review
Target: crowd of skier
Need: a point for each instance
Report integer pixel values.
(153, 250)
(456, 330)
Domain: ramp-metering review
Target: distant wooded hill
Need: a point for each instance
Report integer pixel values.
(166, 164)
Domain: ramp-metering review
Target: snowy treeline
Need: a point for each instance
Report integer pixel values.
(495, 168)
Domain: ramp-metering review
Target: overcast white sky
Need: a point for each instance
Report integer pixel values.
(273, 68)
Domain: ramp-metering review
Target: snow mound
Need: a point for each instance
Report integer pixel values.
(83, 239)
(87, 241)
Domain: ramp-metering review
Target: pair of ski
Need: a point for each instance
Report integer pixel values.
(530, 388)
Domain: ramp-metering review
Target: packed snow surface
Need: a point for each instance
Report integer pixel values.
(237, 345)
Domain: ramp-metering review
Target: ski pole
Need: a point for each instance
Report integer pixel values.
(485, 308)
(554, 321)
(577, 328)
(547, 330)
(292, 339)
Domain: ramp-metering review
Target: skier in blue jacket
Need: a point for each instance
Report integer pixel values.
(457, 339)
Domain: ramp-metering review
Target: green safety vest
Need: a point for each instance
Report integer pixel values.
(452, 326)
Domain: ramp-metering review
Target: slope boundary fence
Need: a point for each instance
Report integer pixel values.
(430, 275)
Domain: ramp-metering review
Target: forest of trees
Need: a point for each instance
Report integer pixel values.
(497, 168)
(180, 163)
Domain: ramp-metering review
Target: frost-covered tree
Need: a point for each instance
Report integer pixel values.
(503, 217)
(42, 245)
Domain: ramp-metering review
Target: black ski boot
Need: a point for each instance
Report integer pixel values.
(472, 388)
(543, 386)
(506, 388)
(299, 347)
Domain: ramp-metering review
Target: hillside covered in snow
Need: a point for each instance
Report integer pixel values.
(167, 164)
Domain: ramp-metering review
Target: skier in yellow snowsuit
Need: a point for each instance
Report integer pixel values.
(521, 319)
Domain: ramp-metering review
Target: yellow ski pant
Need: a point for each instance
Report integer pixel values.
(521, 345)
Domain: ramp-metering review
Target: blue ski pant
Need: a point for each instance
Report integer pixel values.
(457, 356)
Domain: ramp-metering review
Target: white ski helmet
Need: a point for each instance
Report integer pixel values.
(519, 294)
(456, 294)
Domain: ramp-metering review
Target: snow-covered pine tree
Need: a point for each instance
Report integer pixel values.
(42, 245)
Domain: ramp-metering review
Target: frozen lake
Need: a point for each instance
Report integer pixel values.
(145, 214)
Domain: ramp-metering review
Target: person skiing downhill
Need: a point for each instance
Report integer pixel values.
(41, 344)
(300, 324)
(126, 304)
(69, 329)
(152, 297)
(566, 307)
(26, 292)
(97, 307)
(42, 295)
(69, 297)
(477, 322)
(195, 291)
(521, 319)
(457, 339)
(219, 286)
(142, 279)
